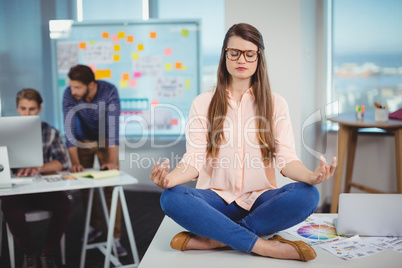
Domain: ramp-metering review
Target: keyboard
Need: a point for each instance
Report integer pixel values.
(22, 179)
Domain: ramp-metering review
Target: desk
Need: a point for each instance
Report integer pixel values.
(40, 185)
(347, 140)
(159, 254)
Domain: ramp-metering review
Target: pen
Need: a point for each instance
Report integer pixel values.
(68, 177)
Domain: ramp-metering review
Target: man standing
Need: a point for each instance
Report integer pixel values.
(15, 206)
(91, 121)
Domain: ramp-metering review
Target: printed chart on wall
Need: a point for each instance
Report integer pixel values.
(154, 64)
(315, 230)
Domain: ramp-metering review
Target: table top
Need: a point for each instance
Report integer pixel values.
(368, 121)
(170, 258)
(41, 185)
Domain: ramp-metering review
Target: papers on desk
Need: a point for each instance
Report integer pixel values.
(391, 242)
(352, 248)
(315, 230)
(97, 174)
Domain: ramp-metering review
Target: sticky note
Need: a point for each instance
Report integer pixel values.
(184, 67)
(116, 57)
(125, 76)
(82, 45)
(93, 67)
(184, 32)
(154, 103)
(100, 74)
(62, 82)
(121, 35)
(130, 38)
(188, 84)
(168, 67)
(123, 83)
(92, 42)
(135, 55)
(132, 83)
(168, 51)
(137, 74)
(105, 35)
(140, 47)
(178, 65)
(152, 35)
(116, 47)
(174, 121)
(115, 38)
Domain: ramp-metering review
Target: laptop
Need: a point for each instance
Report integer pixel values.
(369, 214)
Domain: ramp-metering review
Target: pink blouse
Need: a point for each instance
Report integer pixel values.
(238, 173)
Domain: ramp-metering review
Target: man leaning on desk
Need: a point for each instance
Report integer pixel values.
(14, 207)
(91, 120)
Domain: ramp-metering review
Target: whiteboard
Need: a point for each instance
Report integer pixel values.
(154, 64)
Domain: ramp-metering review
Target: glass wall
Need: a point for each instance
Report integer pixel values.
(367, 54)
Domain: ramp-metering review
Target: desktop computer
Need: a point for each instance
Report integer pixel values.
(20, 145)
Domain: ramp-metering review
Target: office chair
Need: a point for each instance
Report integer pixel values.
(32, 216)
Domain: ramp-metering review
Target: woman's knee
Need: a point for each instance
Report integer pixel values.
(309, 194)
(170, 197)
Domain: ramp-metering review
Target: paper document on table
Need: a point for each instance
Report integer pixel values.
(97, 174)
(352, 248)
(315, 230)
(390, 242)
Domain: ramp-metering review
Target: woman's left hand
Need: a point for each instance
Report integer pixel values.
(323, 172)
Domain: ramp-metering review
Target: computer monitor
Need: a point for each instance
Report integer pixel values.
(20, 143)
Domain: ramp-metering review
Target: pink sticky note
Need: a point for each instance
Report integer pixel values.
(168, 51)
(137, 74)
(115, 38)
(133, 83)
(174, 122)
(154, 103)
(93, 67)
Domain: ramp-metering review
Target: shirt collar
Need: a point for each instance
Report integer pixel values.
(247, 92)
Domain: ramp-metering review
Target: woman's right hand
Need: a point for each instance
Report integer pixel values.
(159, 174)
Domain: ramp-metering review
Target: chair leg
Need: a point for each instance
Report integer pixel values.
(63, 249)
(10, 239)
(1, 230)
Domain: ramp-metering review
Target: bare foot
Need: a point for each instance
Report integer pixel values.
(275, 249)
(199, 242)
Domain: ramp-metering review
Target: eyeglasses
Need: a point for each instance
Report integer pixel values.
(234, 54)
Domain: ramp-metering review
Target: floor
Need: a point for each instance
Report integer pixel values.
(146, 216)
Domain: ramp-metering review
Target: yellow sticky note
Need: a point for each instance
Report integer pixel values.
(125, 76)
(123, 83)
(116, 57)
(135, 55)
(168, 67)
(184, 32)
(187, 83)
(92, 42)
(105, 35)
(140, 47)
(121, 34)
(82, 45)
(116, 47)
(130, 38)
(178, 65)
(152, 35)
(100, 74)
(184, 67)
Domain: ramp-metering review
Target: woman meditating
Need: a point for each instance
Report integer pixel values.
(236, 135)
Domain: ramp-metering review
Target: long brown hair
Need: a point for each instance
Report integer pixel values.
(262, 91)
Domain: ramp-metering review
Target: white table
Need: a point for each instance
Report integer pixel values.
(40, 185)
(159, 254)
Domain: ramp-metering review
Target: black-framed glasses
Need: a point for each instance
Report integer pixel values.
(234, 54)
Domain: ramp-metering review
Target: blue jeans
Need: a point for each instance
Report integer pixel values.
(204, 213)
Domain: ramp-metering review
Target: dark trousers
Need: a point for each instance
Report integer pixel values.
(15, 207)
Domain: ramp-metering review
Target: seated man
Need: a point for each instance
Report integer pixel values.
(14, 207)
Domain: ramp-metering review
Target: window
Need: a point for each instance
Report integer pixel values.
(366, 54)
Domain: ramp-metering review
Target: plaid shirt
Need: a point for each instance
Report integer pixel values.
(53, 147)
